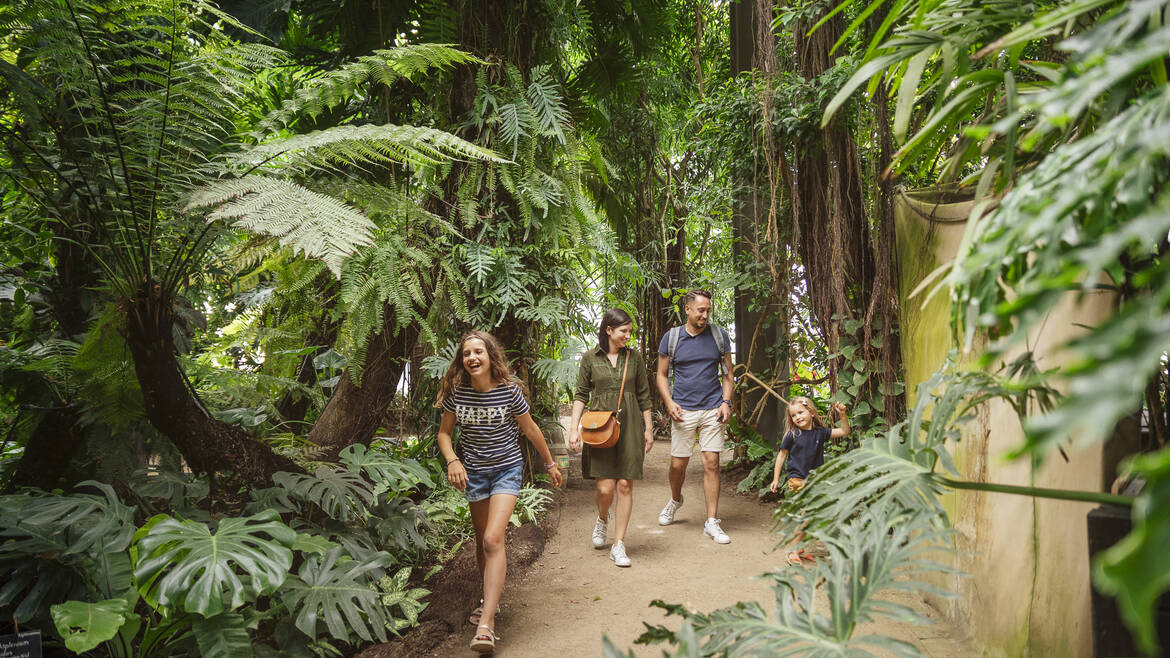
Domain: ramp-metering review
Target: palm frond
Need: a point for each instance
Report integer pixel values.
(882, 551)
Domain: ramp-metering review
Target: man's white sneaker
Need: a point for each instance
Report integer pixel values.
(617, 553)
(711, 529)
(666, 517)
(599, 533)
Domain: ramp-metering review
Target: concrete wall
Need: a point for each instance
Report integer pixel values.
(1028, 587)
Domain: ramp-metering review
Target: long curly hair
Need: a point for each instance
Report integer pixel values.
(457, 375)
(807, 403)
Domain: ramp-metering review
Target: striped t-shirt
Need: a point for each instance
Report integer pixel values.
(489, 436)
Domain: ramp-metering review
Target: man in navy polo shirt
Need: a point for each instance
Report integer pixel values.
(699, 404)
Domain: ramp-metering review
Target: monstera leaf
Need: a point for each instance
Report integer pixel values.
(183, 563)
(342, 495)
(223, 636)
(66, 526)
(389, 474)
(48, 544)
(86, 625)
(338, 590)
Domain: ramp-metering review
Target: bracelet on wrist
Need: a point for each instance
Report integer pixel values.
(452, 461)
(549, 465)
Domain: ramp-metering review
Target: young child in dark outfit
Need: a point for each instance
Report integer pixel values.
(803, 447)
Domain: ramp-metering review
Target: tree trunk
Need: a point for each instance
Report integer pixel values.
(59, 436)
(50, 449)
(757, 330)
(354, 412)
(208, 445)
(832, 234)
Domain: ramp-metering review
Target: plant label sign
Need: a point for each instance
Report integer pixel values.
(23, 645)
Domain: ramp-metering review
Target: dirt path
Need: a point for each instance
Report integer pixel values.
(574, 593)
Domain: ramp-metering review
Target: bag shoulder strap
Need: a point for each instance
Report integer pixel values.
(622, 390)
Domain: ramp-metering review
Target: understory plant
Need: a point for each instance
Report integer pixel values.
(882, 550)
(318, 563)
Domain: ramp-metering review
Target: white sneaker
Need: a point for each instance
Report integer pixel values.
(599, 533)
(617, 553)
(711, 529)
(666, 517)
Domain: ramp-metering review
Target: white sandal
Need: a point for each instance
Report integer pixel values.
(484, 642)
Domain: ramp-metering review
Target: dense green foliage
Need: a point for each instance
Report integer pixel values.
(237, 252)
(1055, 115)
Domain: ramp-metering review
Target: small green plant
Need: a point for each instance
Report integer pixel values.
(758, 454)
(306, 573)
(529, 504)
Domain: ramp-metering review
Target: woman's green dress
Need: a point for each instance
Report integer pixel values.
(598, 384)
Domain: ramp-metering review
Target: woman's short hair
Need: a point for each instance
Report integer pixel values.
(614, 317)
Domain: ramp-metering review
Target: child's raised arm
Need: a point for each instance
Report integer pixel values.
(839, 432)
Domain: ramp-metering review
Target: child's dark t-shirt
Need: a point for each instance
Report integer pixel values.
(806, 450)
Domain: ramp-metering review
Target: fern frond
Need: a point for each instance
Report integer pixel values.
(350, 145)
(383, 67)
(318, 225)
(547, 102)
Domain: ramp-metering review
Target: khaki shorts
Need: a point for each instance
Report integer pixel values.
(702, 426)
(795, 484)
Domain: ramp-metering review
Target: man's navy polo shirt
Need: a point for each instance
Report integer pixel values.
(696, 370)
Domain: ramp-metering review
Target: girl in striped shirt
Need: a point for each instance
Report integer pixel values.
(479, 394)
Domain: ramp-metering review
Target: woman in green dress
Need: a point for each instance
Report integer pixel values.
(598, 385)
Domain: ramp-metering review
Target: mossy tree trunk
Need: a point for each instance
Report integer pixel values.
(207, 444)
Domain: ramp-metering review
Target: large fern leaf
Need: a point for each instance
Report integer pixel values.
(318, 225)
(383, 67)
(354, 146)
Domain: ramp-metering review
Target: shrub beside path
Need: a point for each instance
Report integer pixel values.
(573, 593)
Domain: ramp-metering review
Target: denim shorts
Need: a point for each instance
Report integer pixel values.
(482, 485)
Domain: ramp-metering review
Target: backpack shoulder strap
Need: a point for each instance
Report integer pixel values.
(672, 342)
(672, 336)
(722, 340)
